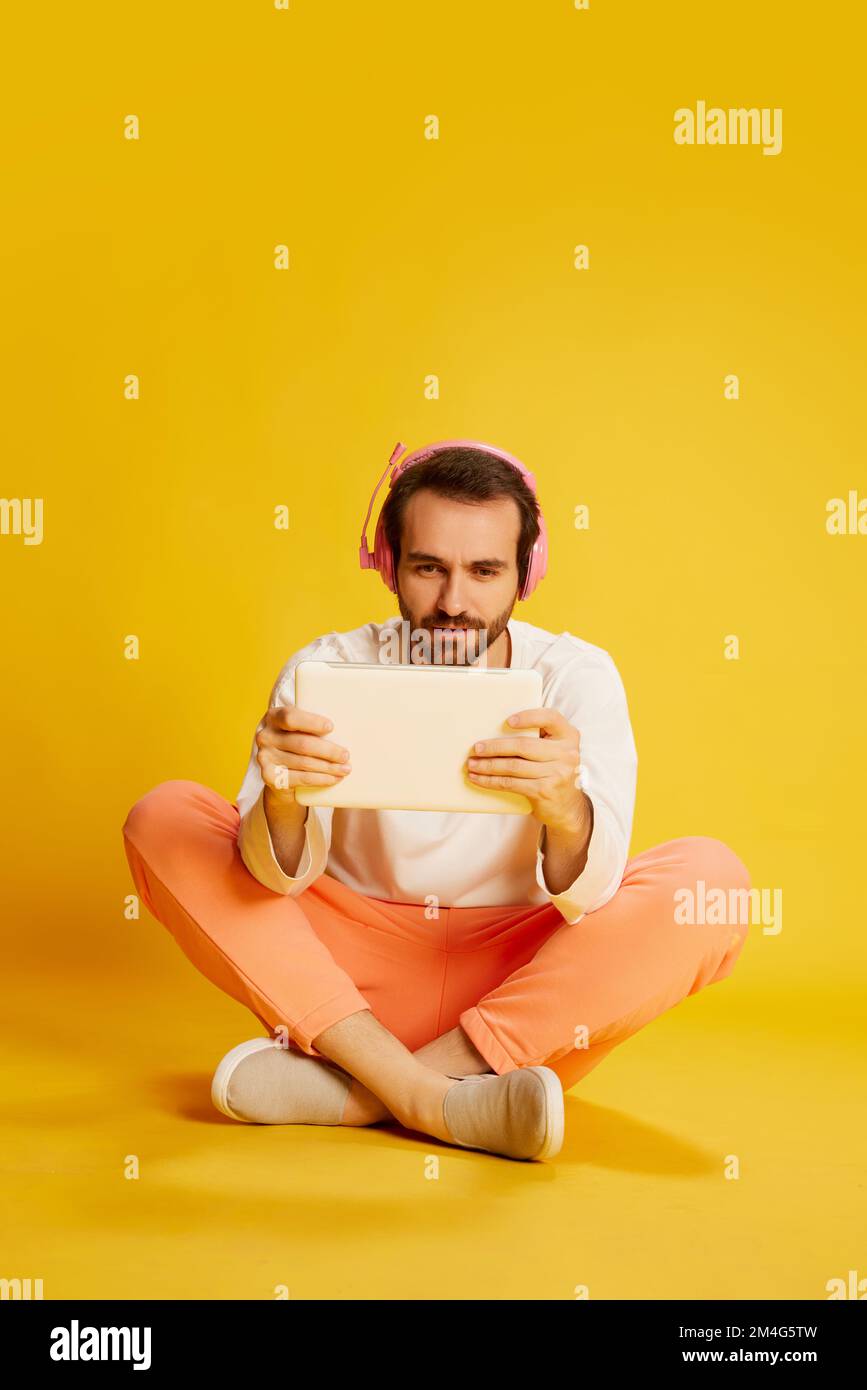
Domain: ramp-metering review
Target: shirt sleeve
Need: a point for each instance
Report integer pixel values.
(594, 701)
(254, 836)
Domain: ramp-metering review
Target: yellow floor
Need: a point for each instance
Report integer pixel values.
(637, 1204)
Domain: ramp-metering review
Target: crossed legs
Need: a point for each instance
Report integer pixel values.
(402, 1002)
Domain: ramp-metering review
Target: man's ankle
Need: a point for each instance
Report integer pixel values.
(421, 1107)
(452, 1054)
(363, 1107)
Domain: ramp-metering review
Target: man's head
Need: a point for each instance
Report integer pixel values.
(462, 526)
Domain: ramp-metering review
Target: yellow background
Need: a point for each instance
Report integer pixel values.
(411, 257)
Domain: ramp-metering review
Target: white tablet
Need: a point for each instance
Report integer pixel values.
(410, 729)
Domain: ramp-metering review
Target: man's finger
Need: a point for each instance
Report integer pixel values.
(291, 717)
(551, 720)
(281, 783)
(280, 732)
(304, 745)
(537, 749)
(506, 784)
(301, 763)
(512, 767)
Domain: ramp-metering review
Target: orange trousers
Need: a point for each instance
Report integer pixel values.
(525, 986)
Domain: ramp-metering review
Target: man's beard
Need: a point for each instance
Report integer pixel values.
(457, 649)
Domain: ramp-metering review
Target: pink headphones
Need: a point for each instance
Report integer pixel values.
(382, 558)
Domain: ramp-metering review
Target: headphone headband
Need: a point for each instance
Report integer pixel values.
(382, 558)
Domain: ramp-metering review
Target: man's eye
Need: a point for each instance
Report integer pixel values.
(422, 569)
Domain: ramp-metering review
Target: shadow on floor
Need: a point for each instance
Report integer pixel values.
(596, 1136)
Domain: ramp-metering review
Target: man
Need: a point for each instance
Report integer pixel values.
(455, 972)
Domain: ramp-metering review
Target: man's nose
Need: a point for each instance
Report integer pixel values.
(451, 599)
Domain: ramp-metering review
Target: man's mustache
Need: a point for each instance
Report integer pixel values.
(450, 622)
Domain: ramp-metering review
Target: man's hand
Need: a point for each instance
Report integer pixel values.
(292, 752)
(545, 770)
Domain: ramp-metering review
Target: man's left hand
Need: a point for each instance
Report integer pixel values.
(545, 770)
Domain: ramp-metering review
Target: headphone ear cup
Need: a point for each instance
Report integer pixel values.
(538, 561)
(531, 581)
(384, 557)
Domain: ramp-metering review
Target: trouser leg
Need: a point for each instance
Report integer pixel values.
(590, 986)
(255, 945)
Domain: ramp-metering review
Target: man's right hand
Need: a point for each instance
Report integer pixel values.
(293, 752)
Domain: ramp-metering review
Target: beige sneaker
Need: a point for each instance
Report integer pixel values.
(519, 1114)
(264, 1083)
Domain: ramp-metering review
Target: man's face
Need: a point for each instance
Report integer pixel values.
(458, 571)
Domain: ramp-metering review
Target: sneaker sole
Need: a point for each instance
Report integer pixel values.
(555, 1119)
(223, 1074)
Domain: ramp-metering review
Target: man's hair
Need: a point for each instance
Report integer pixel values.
(464, 474)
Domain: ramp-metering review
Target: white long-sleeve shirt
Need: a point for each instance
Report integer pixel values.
(466, 859)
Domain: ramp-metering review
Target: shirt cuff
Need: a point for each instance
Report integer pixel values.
(257, 851)
(601, 876)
